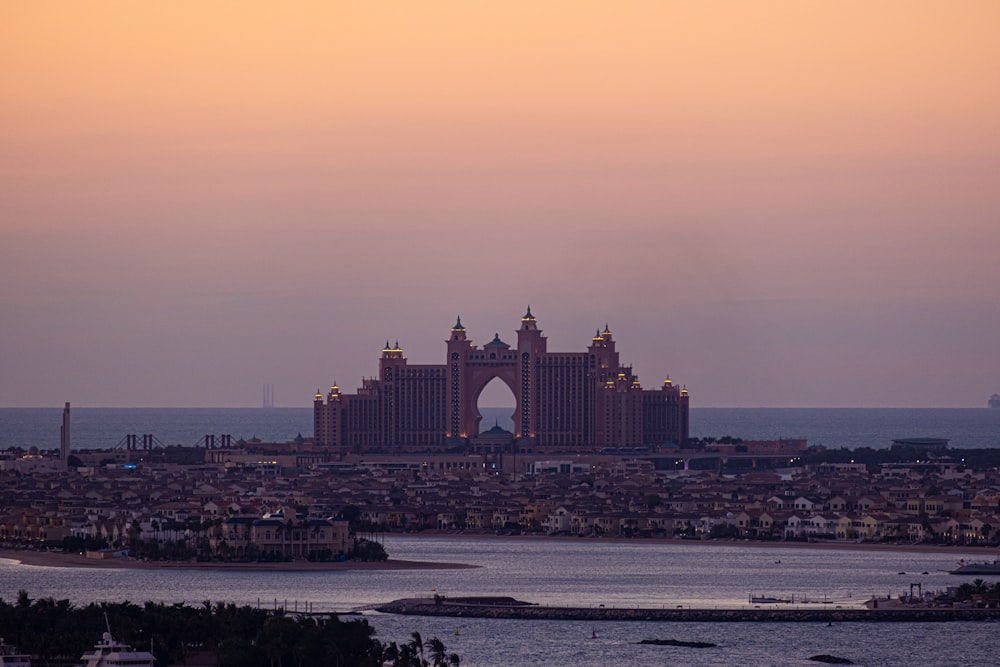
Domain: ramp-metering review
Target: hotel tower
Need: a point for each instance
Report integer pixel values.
(565, 401)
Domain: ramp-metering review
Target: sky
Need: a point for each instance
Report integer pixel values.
(777, 204)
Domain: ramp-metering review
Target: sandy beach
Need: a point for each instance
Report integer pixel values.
(58, 559)
(960, 551)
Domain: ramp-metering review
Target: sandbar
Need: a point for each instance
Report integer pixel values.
(958, 550)
(61, 559)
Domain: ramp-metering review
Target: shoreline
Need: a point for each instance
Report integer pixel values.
(958, 550)
(59, 559)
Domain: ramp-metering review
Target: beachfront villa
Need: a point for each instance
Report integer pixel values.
(272, 535)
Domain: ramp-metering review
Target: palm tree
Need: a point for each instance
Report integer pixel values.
(437, 650)
(407, 656)
(417, 644)
(390, 653)
(314, 539)
(134, 531)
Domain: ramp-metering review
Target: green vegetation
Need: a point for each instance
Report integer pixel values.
(56, 631)
(367, 550)
(979, 589)
(724, 531)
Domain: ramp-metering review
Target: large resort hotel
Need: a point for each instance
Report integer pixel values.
(564, 401)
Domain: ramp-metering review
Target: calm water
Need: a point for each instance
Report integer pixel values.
(852, 427)
(94, 428)
(587, 572)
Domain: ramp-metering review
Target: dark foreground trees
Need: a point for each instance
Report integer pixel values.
(56, 631)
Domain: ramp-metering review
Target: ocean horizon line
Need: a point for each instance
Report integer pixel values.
(491, 407)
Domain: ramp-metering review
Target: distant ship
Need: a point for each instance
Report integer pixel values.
(995, 401)
(977, 568)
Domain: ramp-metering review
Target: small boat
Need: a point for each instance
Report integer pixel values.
(11, 657)
(109, 652)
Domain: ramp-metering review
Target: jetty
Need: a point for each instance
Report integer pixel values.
(506, 607)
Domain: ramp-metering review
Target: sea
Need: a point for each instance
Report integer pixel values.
(103, 428)
(589, 573)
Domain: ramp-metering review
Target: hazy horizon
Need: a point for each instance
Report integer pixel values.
(775, 203)
(309, 407)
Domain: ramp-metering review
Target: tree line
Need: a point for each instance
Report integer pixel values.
(55, 632)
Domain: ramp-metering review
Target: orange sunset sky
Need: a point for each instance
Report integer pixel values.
(776, 203)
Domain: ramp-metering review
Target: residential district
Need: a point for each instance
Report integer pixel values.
(279, 501)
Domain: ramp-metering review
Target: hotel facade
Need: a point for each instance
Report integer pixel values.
(565, 401)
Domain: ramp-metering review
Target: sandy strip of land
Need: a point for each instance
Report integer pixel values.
(986, 553)
(59, 559)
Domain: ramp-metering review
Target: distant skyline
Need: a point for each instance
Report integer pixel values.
(777, 204)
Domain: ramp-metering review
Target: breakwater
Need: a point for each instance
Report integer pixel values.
(485, 607)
